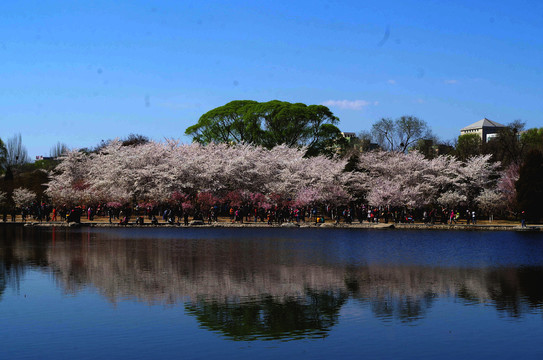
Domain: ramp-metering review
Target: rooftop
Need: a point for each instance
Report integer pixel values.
(484, 123)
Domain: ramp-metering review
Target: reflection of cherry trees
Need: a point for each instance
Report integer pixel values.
(242, 174)
(262, 276)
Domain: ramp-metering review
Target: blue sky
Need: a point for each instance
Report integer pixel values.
(80, 71)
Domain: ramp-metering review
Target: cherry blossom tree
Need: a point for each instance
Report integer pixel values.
(23, 197)
(476, 174)
(398, 179)
(451, 199)
(69, 183)
(506, 185)
(489, 201)
(201, 175)
(206, 200)
(157, 171)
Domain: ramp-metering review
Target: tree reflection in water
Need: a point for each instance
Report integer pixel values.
(272, 291)
(271, 318)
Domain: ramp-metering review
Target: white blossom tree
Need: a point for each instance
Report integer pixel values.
(398, 179)
(490, 201)
(196, 175)
(451, 199)
(3, 197)
(154, 172)
(23, 197)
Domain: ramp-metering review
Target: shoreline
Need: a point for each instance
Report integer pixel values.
(306, 225)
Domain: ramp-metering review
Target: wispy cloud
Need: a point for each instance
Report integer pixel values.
(451, 82)
(391, 81)
(349, 104)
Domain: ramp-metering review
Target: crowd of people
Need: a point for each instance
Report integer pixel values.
(176, 215)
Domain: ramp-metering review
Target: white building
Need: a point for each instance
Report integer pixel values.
(486, 129)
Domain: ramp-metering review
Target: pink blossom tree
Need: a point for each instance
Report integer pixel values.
(506, 186)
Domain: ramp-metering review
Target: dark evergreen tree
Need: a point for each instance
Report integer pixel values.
(530, 186)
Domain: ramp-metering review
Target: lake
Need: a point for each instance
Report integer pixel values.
(201, 293)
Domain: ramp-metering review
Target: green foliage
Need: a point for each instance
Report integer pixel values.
(530, 186)
(431, 148)
(352, 163)
(331, 142)
(426, 148)
(269, 124)
(230, 123)
(533, 139)
(506, 147)
(270, 318)
(44, 164)
(468, 145)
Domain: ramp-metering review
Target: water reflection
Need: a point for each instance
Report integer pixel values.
(267, 317)
(268, 289)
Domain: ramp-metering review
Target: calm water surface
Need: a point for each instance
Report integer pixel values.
(269, 293)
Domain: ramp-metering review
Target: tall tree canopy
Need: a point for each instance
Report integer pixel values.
(269, 124)
(529, 186)
(400, 134)
(508, 146)
(468, 145)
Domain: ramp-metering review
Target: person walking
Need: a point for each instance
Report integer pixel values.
(452, 217)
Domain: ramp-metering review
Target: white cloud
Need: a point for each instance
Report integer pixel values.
(349, 104)
(450, 82)
(391, 81)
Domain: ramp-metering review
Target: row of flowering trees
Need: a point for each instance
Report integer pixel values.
(169, 172)
(21, 197)
(172, 172)
(398, 179)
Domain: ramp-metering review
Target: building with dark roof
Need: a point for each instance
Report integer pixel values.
(485, 128)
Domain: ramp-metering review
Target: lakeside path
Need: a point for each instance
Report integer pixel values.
(482, 225)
